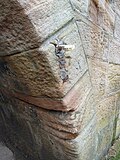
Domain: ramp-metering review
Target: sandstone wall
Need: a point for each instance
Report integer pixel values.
(41, 116)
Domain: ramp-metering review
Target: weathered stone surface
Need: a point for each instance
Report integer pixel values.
(81, 6)
(65, 125)
(116, 7)
(65, 149)
(8, 5)
(40, 115)
(68, 102)
(99, 12)
(117, 134)
(16, 31)
(34, 69)
(113, 81)
(94, 39)
(42, 131)
(76, 63)
(22, 31)
(50, 128)
(5, 153)
(50, 16)
(29, 73)
(104, 140)
(111, 53)
(32, 4)
(86, 141)
(117, 29)
(71, 122)
(106, 16)
(114, 150)
(106, 112)
(105, 77)
(98, 70)
(93, 12)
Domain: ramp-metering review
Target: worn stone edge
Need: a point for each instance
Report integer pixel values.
(69, 102)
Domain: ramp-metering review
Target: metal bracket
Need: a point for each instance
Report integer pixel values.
(60, 49)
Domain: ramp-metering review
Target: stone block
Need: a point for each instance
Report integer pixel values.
(16, 32)
(106, 115)
(68, 149)
(117, 29)
(32, 4)
(76, 63)
(6, 6)
(81, 6)
(21, 31)
(86, 142)
(100, 12)
(69, 124)
(106, 16)
(111, 52)
(93, 12)
(93, 38)
(106, 112)
(104, 140)
(64, 125)
(116, 6)
(113, 78)
(98, 71)
(41, 115)
(105, 77)
(25, 72)
(48, 17)
(69, 102)
(37, 131)
(39, 68)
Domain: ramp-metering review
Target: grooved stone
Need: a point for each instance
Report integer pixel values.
(60, 134)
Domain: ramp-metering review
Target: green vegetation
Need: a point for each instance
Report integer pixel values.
(117, 157)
